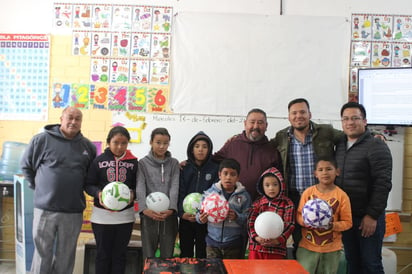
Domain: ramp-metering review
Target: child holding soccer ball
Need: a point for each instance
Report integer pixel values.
(199, 173)
(272, 188)
(319, 250)
(158, 172)
(224, 238)
(112, 229)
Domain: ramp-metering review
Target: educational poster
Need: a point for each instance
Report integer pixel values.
(81, 43)
(61, 95)
(102, 16)
(117, 98)
(161, 21)
(381, 54)
(81, 16)
(159, 72)
(99, 96)
(160, 45)
(139, 71)
(137, 98)
(141, 44)
(401, 54)
(101, 44)
(158, 99)
(99, 70)
(361, 27)
(63, 16)
(142, 19)
(121, 44)
(122, 18)
(382, 27)
(80, 96)
(24, 76)
(402, 28)
(360, 54)
(119, 70)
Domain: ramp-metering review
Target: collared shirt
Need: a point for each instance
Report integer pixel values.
(302, 163)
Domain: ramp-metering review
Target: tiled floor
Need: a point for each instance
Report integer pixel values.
(7, 268)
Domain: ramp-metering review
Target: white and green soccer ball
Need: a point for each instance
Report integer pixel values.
(192, 203)
(116, 195)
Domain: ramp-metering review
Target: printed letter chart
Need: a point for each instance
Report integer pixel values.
(24, 76)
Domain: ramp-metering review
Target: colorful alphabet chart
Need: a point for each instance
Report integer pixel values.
(24, 76)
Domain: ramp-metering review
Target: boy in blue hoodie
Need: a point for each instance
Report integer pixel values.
(225, 239)
(199, 173)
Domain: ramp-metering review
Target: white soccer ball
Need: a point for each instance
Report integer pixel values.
(317, 213)
(116, 195)
(216, 207)
(269, 225)
(157, 201)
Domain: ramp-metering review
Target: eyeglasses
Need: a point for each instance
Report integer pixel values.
(353, 119)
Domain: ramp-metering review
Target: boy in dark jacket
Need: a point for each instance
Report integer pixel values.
(199, 173)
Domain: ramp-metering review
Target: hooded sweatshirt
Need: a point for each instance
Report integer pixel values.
(194, 178)
(158, 175)
(56, 168)
(281, 205)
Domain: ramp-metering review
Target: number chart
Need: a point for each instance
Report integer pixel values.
(24, 76)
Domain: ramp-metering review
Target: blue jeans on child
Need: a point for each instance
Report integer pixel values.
(364, 255)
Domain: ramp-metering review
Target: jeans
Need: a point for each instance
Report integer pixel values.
(364, 255)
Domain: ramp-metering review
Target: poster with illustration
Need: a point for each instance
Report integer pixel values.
(382, 28)
(99, 70)
(117, 98)
(139, 71)
(81, 43)
(61, 95)
(360, 54)
(162, 19)
(142, 18)
(353, 83)
(137, 97)
(402, 25)
(82, 16)
(99, 96)
(119, 70)
(101, 17)
(157, 99)
(381, 54)
(401, 56)
(122, 18)
(159, 72)
(62, 18)
(361, 26)
(101, 43)
(120, 44)
(160, 45)
(80, 96)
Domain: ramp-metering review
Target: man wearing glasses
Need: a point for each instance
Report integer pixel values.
(366, 176)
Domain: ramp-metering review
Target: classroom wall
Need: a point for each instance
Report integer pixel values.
(97, 123)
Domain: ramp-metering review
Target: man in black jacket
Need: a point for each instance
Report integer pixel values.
(366, 176)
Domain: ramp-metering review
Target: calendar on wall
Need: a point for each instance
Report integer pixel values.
(24, 76)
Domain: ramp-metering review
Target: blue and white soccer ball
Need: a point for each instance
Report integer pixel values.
(317, 213)
(116, 195)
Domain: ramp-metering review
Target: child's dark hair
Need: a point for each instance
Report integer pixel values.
(230, 163)
(327, 159)
(117, 130)
(161, 131)
(269, 174)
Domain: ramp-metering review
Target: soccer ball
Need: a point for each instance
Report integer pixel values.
(269, 225)
(216, 207)
(116, 195)
(192, 203)
(157, 201)
(317, 213)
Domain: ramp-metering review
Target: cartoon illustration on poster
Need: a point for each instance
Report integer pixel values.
(360, 54)
(101, 43)
(353, 80)
(99, 70)
(81, 16)
(62, 16)
(139, 71)
(102, 16)
(382, 27)
(117, 98)
(80, 96)
(401, 54)
(119, 70)
(61, 95)
(142, 19)
(162, 18)
(402, 28)
(361, 27)
(137, 98)
(381, 54)
(122, 18)
(121, 44)
(99, 96)
(160, 45)
(81, 43)
(140, 44)
(159, 72)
